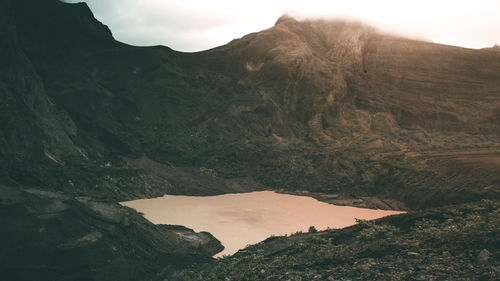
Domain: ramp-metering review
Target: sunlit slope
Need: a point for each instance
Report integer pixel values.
(325, 106)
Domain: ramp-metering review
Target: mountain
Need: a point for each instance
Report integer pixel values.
(325, 106)
(337, 106)
(332, 109)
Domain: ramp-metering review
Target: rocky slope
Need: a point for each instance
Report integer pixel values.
(53, 236)
(457, 243)
(331, 107)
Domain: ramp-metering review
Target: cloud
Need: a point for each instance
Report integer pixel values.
(193, 25)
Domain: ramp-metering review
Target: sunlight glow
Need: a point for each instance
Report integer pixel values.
(193, 25)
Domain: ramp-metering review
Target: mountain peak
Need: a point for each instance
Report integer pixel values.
(284, 18)
(68, 22)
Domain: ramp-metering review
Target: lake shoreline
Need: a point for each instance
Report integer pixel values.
(368, 202)
(241, 219)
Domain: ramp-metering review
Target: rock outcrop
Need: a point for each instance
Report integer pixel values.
(53, 236)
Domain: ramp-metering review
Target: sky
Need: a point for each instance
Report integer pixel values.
(195, 25)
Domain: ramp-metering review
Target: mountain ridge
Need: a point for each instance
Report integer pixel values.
(313, 91)
(329, 109)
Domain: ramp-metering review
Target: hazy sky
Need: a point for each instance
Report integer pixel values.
(194, 25)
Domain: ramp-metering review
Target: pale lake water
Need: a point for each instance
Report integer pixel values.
(248, 218)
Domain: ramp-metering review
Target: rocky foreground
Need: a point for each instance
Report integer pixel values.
(52, 236)
(454, 243)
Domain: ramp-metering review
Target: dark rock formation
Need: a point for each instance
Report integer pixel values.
(204, 242)
(52, 236)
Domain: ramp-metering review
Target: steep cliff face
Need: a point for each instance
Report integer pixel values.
(34, 129)
(302, 68)
(435, 87)
(324, 106)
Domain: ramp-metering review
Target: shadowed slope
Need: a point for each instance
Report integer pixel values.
(324, 106)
